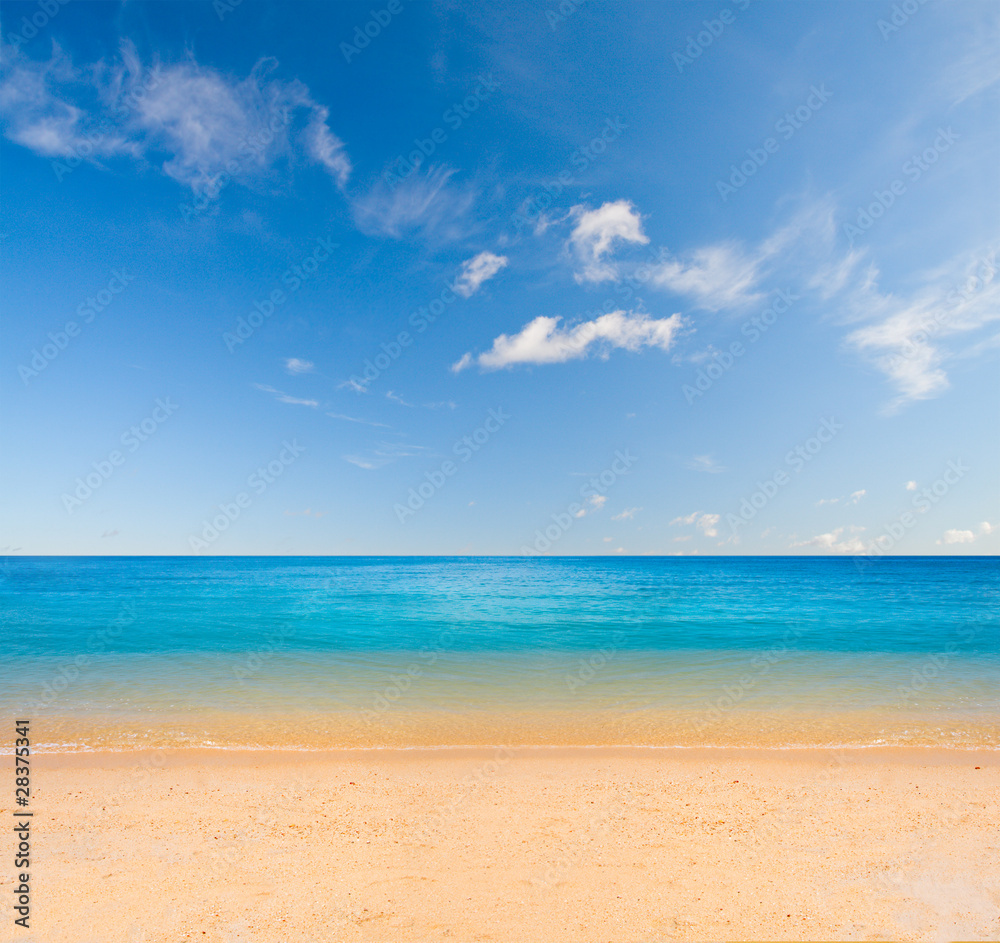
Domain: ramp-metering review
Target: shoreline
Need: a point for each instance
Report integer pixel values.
(936, 755)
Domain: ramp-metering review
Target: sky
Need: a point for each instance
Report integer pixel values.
(404, 277)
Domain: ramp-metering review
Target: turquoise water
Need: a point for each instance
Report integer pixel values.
(320, 652)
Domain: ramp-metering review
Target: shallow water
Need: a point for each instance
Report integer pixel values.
(117, 653)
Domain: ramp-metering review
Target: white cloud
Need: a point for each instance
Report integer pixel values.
(979, 68)
(595, 233)
(543, 341)
(366, 422)
(853, 498)
(705, 463)
(384, 454)
(195, 121)
(728, 275)
(986, 528)
(325, 147)
(627, 515)
(832, 541)
(597, 501)
(706, 522)
(294, 365)
(908, 337)
(424, 202)
(715, 277)
(831, 277)
(477, 270)
(690, 519)
(286, 397)
(396, 398)
(954, 536)
(911, 486)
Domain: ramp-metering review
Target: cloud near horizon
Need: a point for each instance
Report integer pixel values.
(542, 341)
(832, 541)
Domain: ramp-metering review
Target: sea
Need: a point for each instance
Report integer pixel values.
(317, 653)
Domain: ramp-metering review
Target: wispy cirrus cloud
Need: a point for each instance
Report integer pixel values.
(282, 397)
(705, 463)
(425, 203)
(714, 277)
(384, 454)
(193, 120)
(366, 422)
(543, 341)
(908, 336)
(294, 365)
(853, 498)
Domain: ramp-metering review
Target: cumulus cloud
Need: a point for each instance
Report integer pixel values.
(954, 536)
(294, 365)
(986, 528)
(706, 522)
(594, 236)
(542, 341)
(911, 486)
(194, 121)
(477, 270)
(596, 501)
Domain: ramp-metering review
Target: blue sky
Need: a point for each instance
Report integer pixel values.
(440, 278)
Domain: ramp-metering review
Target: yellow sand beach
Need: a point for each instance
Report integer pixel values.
(559, 844)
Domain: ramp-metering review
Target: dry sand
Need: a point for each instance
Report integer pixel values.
(539, 845)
